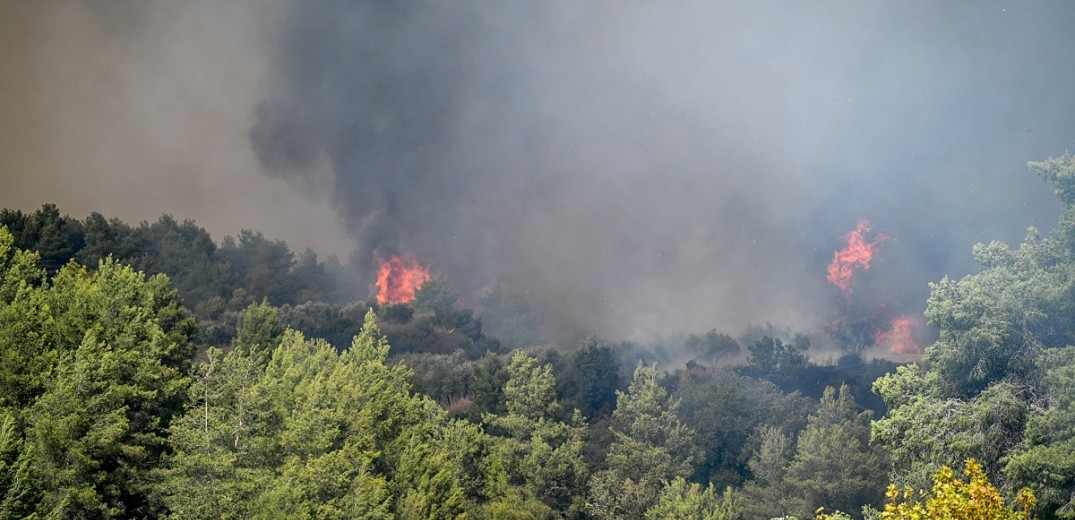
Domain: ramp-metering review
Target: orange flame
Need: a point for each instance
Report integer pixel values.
(399, 279)
(899, 337)
(854, 257)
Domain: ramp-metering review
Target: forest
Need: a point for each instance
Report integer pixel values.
(147, 371)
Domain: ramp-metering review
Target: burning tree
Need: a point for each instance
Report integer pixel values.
(854, 334)
(399, 278)
(856, 255)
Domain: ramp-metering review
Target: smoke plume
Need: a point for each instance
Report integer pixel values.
(635, 168)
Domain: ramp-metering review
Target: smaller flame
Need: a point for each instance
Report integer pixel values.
(399, 278)
(854, 257)
(900, 336)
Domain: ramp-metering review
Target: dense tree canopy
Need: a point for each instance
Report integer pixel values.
(98, 369)
(279, 402)
(651, 447)
(211, 279)
(995, 383)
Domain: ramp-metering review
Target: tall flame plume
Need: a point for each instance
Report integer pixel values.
(856, 255)
(399, 278)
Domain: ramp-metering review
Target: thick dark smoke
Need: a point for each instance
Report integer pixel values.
(639, 168)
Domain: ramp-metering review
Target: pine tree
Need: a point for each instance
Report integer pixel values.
(540, 459)
(651, 447)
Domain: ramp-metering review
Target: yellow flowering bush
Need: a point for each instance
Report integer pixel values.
(952, 498)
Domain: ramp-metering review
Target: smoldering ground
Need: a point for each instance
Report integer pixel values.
(634, 168)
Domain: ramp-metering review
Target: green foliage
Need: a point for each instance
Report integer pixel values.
(117, 348)
(1045, 460)
(923, 432)
(19, 491)
(834, 464)
(104, 237)
(531, 390)
(541, 457)
(514, 506)
(333, 323)
(835, 515)
(259, 332)
(712, 347)
(214, 470)
(772, 358)
(104, 414)
(681, 500)
(651, 446)
(993, 324)
(830, 464)
(984, 390)
(27, 327)
(435, 296)
(55, 238)
(1060, 172)
(257, 263)
(613, 496)
(213, 281)
(487, 392)
(18, 267)
(653, 443)
(182, 250)
(725, 409)
(444, 332)
(317, 434)
(447, 379)
(770, 492)
(440, 471)
(991, 327)
(589, 384)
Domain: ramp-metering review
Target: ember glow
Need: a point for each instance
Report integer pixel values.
(399, 278)
(856, 256)
(899, 337)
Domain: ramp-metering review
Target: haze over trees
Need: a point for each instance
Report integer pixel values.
(149, 372)
(995, 384)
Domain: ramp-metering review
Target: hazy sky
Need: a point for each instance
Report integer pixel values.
(635, 167)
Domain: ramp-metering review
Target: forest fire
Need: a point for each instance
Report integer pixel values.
(854, 257)
(896, 334)
(899, 337)
(399, 278)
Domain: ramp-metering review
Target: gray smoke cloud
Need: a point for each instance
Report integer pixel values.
(136, 108)
(643, 168)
